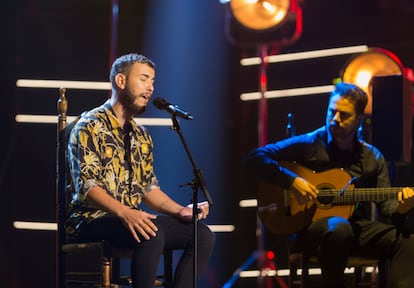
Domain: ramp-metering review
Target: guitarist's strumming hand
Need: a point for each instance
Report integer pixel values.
(303, 190)
(406, 199)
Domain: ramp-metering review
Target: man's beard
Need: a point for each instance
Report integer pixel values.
(127, 100)
(340, 134)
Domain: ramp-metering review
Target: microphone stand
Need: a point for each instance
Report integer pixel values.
(197, 182)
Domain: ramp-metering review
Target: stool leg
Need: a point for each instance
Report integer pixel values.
(106, 273)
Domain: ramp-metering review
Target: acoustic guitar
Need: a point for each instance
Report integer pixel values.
(282, 214)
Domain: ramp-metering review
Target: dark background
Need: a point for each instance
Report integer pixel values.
(198, 69)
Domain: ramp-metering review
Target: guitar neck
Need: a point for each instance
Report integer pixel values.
(360, 194)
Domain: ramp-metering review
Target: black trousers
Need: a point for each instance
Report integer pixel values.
(172, 234)
(333, 239)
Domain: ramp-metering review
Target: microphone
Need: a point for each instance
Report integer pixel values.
(163, 104)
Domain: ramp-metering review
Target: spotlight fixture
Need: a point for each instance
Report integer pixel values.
(256, 22)
(361, 68)
(259, 14)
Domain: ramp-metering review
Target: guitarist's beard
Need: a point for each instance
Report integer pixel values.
(343, 136)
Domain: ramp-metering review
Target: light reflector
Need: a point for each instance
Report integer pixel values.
(260, 14)
(375, 62)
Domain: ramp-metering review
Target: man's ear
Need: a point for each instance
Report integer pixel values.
(120, 80)
(360, 119)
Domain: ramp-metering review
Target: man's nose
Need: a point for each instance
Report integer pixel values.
(337, 117)
(150, 88)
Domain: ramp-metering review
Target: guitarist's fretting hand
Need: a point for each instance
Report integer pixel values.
(406, 199)
(303, 190)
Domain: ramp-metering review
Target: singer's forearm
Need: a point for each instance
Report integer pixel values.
(100, 199)
(159, 201)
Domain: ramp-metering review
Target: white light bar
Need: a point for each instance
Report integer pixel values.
(256, 273)
(45, 226)
(304, 55)
(287, 92)
(31, 83)
(248, 203)
(154, 121)
(222, 228)
(281, 272)
(49, 119)
(286, 272)
(22, 225)
(43, 119)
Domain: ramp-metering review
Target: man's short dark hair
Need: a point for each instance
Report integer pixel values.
(123, 65)
(353, 93)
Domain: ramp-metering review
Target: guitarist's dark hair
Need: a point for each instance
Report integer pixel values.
(353, 93)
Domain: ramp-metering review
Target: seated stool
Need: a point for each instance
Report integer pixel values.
(297, 261)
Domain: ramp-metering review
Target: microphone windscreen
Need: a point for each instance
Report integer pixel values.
(160, 103)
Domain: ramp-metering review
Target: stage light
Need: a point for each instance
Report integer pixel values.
(259, 14)
(361, 68)
(257, 22)
(386, 81)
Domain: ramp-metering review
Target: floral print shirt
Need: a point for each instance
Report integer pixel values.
(102, 153)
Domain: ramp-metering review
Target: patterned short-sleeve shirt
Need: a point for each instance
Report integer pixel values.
(102, 153)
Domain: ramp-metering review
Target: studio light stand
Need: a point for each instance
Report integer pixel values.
(259, 256)
(260, 25)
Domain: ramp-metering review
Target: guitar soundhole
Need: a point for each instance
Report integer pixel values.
(326, 197)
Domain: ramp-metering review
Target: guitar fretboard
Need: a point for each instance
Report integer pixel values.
(337, 196)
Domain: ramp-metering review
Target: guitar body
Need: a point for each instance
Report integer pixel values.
(281, 213)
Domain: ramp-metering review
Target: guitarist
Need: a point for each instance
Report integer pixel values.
(336, 145)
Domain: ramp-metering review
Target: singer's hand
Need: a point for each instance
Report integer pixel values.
(187, 212)
(204, 208)
(139, 221)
